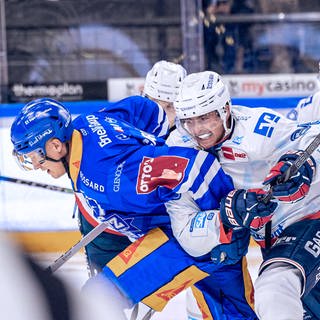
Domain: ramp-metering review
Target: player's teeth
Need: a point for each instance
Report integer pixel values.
(204, 136)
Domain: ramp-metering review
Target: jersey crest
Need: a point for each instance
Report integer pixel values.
(166, 171)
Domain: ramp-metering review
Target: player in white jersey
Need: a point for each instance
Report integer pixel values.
(250, 143)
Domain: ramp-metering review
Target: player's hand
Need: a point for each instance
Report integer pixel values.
(297, 186)
(243, 208)
(232, 252)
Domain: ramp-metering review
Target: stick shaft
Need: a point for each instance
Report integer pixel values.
(80, 244)
(36, 184)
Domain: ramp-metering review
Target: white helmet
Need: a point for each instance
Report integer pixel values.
(201, 93)
(164, 80)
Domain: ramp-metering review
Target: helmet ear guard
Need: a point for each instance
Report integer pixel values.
(164, 80)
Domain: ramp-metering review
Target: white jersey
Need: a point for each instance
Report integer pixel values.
(259, 138)
(307, 109)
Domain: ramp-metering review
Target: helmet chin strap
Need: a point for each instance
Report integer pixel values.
(63, 160)
(227, 133)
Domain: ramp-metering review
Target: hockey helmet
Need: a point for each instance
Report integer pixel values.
(164, 80)
(201, 93)
(37, 122)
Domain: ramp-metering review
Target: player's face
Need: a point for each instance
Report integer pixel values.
(207, 129)
(169, 110)
(54, 150)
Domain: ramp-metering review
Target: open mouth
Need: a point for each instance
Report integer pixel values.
(204, 136)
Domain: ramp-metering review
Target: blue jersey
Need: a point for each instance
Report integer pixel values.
(126, 175)
(142, 113)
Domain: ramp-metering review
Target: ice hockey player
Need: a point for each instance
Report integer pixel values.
(162, 85)
(256, 146)
(127, 176)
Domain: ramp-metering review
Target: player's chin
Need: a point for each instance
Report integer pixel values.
(55, 175)
(206, 143)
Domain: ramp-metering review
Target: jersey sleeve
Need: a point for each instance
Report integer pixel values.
(198, 232)
(194, 215)
(142, 113)
(308, 109)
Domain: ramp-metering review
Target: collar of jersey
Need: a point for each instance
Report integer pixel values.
(75, 157)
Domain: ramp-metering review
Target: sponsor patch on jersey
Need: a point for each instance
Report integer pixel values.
(98, 129)
(242, 118)
(90, 183)
(114, 124)
(303, 128)
(265, 124)
(198, 227)
(117, 177)
(166, 171)
(237, 140)
(185, 138)
(234, 154)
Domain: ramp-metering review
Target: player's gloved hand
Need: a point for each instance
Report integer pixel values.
(241, 208)
(231, 253)
(298, 185)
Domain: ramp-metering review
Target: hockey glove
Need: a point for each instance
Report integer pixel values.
(243, 208)
(298, 185)
(231, 253)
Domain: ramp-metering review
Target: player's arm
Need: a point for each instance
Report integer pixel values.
(198, 232)
(195, 215)
(142, 113)
(202, 232)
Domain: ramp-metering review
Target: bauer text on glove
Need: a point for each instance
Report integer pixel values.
(241, 208)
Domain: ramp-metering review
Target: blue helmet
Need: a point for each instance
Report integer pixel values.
(37, 122)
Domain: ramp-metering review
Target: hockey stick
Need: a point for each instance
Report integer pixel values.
(36, 184)
(80, 244)
(291, 171)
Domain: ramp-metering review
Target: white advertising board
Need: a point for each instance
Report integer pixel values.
(241, 86)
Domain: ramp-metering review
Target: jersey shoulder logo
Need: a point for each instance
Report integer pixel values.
(265, 124)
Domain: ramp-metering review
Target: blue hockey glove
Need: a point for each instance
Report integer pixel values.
(298, 185)
(231, 253)
(241, 208)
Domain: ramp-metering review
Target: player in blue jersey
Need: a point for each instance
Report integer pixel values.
(256, 146)
(142, 113)
(126, 177)
(161, 86)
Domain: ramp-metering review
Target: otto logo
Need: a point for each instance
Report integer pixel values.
(166, 171)
(233, 154)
